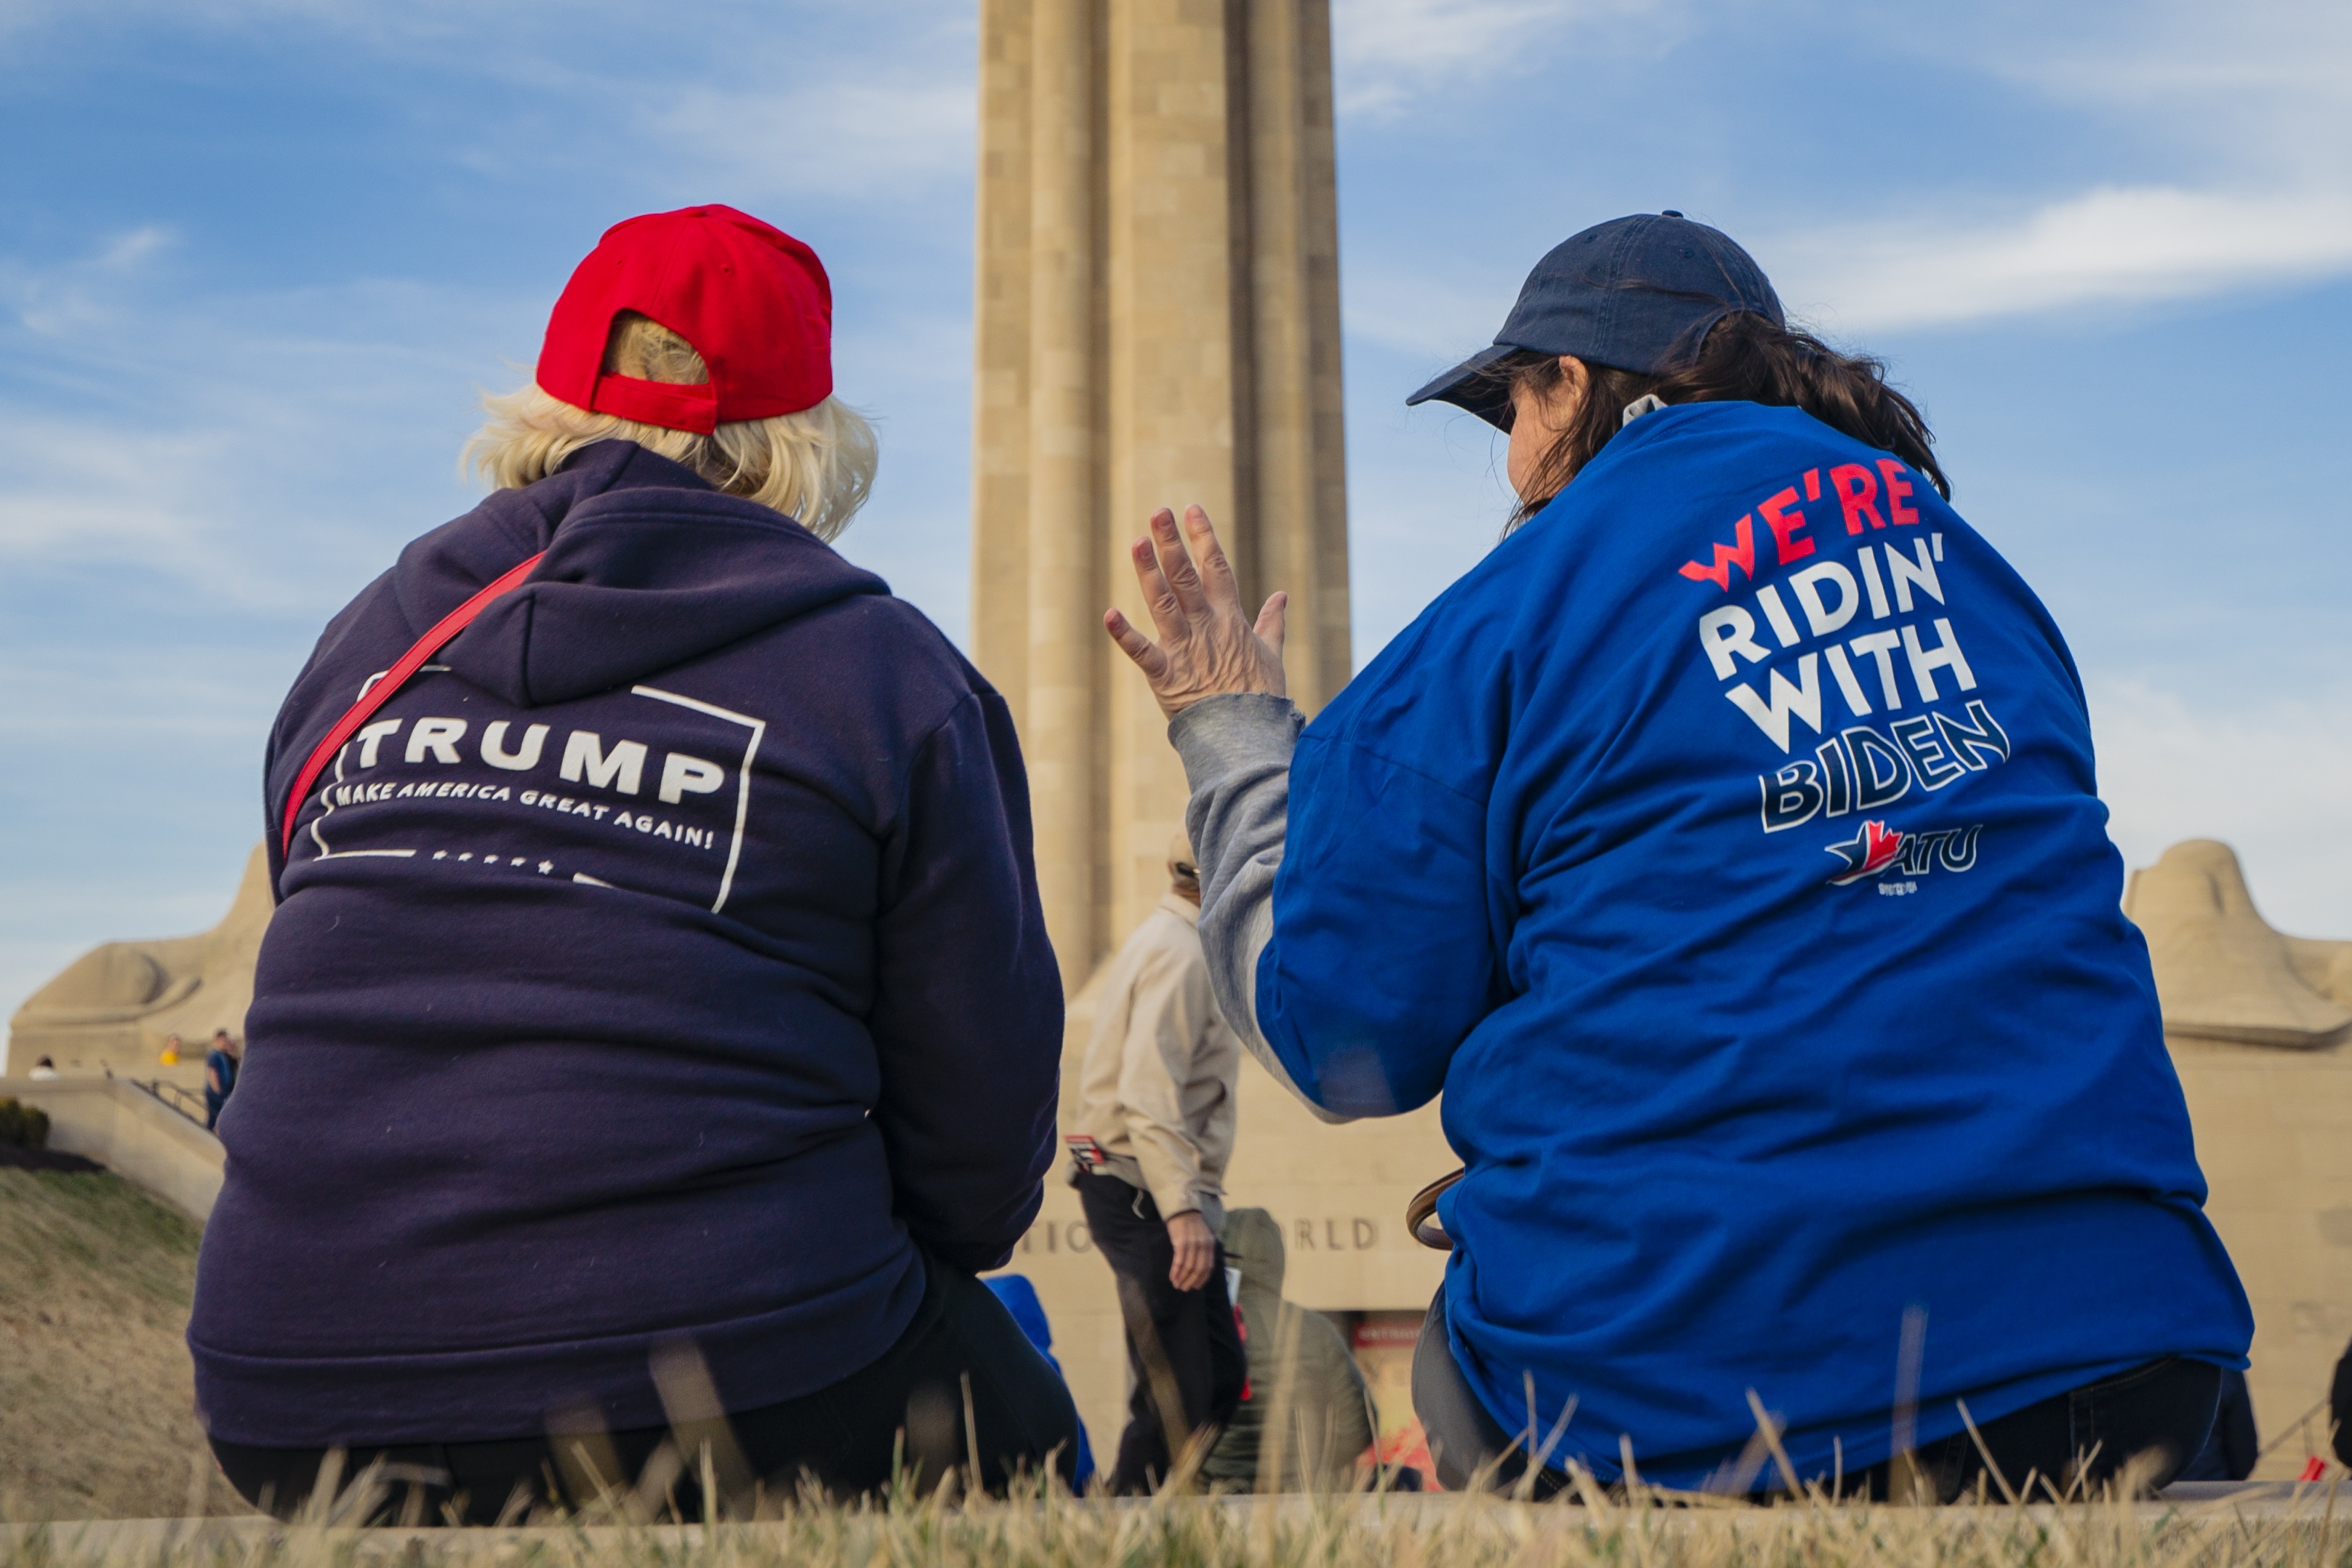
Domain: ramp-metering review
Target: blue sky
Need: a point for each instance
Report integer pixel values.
(258, 257)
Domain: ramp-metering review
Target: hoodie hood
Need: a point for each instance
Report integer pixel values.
(647, 567)
(1253, 1242)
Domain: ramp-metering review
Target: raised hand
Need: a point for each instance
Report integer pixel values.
(1207, 646)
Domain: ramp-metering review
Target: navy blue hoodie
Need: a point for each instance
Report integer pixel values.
(664, 963)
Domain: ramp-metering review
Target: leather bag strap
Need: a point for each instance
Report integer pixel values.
(380, 691)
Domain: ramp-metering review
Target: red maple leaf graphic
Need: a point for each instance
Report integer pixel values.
(1885, 847)
(1868, 853)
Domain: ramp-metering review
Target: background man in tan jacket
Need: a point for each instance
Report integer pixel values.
(1154, 1128)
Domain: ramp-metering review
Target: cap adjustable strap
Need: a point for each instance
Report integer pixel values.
(673, 405)
(380, 691)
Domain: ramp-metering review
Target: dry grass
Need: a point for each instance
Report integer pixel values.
(94, 1421)
(97, 1396)
(1297, 1532)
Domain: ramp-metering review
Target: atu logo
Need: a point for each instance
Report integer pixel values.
(1878, 850)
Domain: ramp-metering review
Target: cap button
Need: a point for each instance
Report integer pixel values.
(1670, 213)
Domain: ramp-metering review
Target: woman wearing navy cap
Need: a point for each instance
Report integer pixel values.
(1726, 848)
(657, 1027)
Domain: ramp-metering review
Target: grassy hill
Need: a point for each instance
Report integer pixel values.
(96, 1400)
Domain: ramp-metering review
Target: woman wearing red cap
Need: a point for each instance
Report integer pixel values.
(658, 1021)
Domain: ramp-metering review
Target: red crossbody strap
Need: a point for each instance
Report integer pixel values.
(376, 696)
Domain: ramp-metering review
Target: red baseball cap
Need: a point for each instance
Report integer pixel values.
(753, 301)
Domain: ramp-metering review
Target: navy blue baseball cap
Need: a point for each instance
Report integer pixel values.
(1629, 293)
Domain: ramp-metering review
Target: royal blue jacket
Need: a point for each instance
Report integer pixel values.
(663, 964)
(1726, 847)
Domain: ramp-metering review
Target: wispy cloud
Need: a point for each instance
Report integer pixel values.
(2249, 107)
(2267, 777)
(903, 130)
(1440, 320)
(127, 251)
(785, 97)
(2230, 126)
(190, 438)
(1387, 53)
(157, 752)
(80, 294)
(156, 419)
(212, 511)
(2112, 246)
(2258, 88)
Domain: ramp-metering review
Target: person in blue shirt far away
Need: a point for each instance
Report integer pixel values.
(1726, 848)
(220, 1075)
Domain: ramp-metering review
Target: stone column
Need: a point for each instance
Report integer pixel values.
(1173, 382)
(1300, 475)
(999, 393)
(1065, 588)
(1158, 325)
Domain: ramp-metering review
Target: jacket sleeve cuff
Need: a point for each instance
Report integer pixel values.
(1220, 737)
(1236, 751)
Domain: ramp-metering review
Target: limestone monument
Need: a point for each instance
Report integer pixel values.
(2260, 1029)
(1158, 323)
(2222, 972)
(113, 1009)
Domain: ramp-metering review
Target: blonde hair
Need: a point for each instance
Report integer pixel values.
(816, 465)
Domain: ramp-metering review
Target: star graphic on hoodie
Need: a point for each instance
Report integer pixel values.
(546, 866)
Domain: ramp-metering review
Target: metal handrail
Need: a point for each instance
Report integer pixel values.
(173, 1097)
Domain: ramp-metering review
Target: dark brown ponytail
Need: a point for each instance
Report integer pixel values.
(1744, 358)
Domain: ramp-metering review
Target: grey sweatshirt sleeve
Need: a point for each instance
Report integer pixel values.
(1237, 752)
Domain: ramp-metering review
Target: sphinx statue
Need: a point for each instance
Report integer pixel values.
(113, 1009)
(2222, 972)
(2260, 1027)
